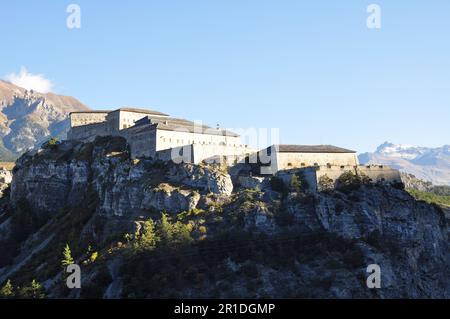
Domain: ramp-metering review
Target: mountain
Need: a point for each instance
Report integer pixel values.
(28, 118)
(151, 229)
(429, 164)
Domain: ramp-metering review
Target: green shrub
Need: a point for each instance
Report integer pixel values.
(173, 233)
(7, 291)
(33, 291)
(349, 181)
(146, 239)
(325, 183)
(429, 197)
(67, 257)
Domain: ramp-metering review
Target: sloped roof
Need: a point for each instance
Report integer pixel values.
(90, 111)
(144, 111)
(175, 124)
(125, 109)
(284, 148)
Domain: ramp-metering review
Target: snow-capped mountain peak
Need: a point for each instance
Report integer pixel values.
(430, 164)
(405, 151)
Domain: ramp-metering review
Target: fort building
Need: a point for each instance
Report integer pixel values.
(317, 176)
(285, 157)
(156, 135)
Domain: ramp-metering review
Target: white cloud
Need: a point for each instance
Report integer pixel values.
(36, 82)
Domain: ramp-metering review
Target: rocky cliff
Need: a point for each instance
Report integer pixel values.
(144, 228)
(28, 118)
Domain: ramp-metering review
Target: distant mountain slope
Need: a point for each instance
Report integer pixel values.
(430, 164)
(28, 118)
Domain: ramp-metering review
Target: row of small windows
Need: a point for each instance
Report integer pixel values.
(329, 165)
(304, 164)
(188, 142)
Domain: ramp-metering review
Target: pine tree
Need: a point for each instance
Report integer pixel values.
(165, 228)
(147, 238)
(7, 291)
(67, 257)
(33, 291)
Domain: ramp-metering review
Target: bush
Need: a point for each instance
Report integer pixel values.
(7, 290)
(325, 183)
(146, 238)
(430, 198)
(33, 291)
(296, 184)
(349, 181)
(51, 144)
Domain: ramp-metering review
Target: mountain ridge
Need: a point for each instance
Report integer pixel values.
(426, 163)
(28, 118)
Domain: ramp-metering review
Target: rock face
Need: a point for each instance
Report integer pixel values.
(250, 239)
(215, 181)
(124, 187)
(29, 118)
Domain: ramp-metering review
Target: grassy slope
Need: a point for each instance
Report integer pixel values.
(430, 197)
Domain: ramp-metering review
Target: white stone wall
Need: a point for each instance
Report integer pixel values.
(85, 118)
(277, 161)
(210, 154)
(377, 174)
(142, 142)
(298, 160)
(127, 119)
(88, 132)
(380, 173)
(169, 139)
(220, 154)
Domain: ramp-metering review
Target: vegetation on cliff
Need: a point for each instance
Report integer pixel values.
(146, 229)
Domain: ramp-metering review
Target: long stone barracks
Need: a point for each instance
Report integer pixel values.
(156, 135)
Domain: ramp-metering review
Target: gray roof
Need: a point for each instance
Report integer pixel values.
(174, 124)
(284, 148)
(125, 109)
(144, 111)
(91, 111)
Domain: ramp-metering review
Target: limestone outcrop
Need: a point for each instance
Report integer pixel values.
(254, 239)
(51, 180)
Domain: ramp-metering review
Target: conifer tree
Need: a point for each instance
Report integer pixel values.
(33, 291)
(67, 257)
(7, 290)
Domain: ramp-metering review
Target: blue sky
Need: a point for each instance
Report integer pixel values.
(312, 69)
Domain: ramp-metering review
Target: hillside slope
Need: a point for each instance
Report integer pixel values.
(29, 118)
(146, 229)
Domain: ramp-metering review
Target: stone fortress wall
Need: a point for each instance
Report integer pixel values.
(159, 133)
(298, 160)
(155, 134)
(378, 174)
(85, 118)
